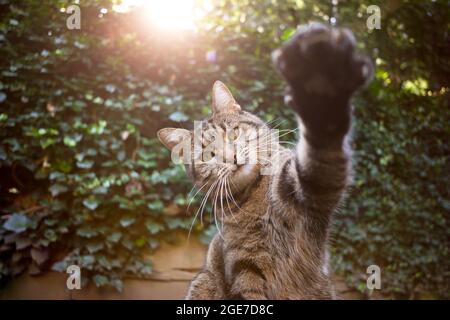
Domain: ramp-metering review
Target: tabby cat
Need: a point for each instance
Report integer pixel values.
(274, 228)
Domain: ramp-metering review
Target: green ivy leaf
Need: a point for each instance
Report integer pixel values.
(115, 237)
(121, 155)
(86, 164)
(94, 247)
(100, 280)
(104, 262)
(91, 203)
(47, 142)
(127, 221)
(72, 140)
(178, 116)
(18, 223)
(86, 232)
(118, 284)
(153, 243)
(140, 242)
(156, 205)
(100, 190)
(87, 261)
(51, 235)
(175, 223)
(2, 97)
(60, 266)
(154, 227)
(57, 189)
(207, 235)
(3, 155)
(287, 34)
(62, 165)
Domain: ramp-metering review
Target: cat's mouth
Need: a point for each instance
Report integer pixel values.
(234, 177)
(236, 169)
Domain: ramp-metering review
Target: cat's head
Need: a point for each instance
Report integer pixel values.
(221, 147)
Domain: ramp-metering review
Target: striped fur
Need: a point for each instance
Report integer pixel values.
(274, 241)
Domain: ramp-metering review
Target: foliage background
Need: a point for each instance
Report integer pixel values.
(84, 180)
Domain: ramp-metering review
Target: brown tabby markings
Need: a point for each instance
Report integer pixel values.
(274, 245)
(271, 251)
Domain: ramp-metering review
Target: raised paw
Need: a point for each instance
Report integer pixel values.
(323, 70)
(322, 61)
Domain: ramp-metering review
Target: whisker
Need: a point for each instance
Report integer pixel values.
(232, 198)
(206, 199)
(221, 197)
(201, 207)
(276, 119)
(215, 210)
(193, 197)
(227, 195)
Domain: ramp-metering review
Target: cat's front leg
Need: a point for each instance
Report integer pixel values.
(204, 287)
(322, 70)
(247, 284)
(209, 283)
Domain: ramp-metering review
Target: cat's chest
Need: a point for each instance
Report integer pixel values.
(253, 208)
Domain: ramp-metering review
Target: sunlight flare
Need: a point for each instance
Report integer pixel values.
(166, 14)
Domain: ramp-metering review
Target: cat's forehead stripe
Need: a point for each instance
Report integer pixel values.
(251, 123)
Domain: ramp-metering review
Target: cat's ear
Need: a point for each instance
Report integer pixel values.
(170, 137)
(222, 99)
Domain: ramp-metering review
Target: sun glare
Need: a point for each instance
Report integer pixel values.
(166, 14)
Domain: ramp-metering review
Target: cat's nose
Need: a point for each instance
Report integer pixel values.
(230, 155)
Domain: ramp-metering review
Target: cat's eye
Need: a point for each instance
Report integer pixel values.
(234, 134)
(209, 136)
